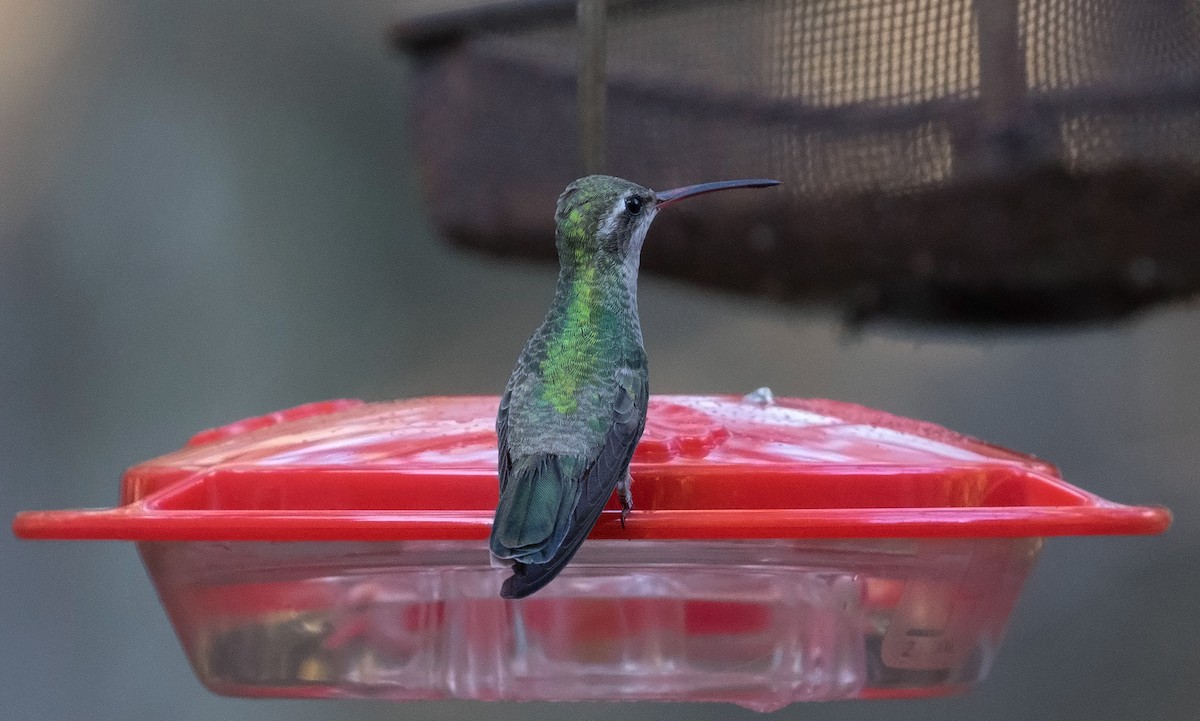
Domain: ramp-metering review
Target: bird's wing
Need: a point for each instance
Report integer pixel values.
(569, 492)
(503, 461)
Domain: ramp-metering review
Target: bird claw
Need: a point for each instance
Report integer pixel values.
(625, 493)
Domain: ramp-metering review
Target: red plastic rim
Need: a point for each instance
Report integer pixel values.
(707, 468)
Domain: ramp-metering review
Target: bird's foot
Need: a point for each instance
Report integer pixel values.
(625, 493)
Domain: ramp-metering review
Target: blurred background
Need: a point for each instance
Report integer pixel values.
(212, 211)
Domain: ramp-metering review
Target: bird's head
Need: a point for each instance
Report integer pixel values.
(603, 220)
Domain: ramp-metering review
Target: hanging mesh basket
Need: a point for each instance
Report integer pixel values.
(973, 160)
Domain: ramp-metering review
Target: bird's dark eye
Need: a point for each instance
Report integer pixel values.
(633, 205)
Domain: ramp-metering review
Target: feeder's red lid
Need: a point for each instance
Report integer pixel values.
(707, 467)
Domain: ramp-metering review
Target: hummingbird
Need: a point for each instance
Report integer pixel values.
(575, 406)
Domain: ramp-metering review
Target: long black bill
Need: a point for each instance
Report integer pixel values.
(670, 196)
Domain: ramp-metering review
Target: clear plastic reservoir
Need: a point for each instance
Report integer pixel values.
(757, 623)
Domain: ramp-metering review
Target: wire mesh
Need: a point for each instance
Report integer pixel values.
(919, 141)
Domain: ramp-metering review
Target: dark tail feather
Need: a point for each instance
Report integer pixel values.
(529, 506)
(530, 577)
